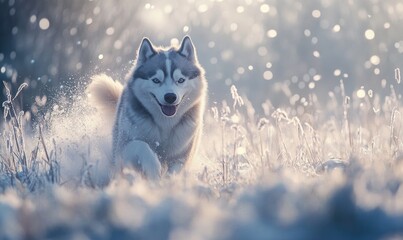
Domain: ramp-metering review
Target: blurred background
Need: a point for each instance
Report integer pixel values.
(277, 50)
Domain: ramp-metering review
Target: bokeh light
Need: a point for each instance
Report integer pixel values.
(67, 43)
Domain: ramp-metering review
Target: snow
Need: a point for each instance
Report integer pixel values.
(302, 135)
(279, 208)
(249, 181)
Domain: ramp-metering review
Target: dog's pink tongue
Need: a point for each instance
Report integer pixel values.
(168, 110)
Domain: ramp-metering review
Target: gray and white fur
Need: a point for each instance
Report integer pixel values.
(159, 115)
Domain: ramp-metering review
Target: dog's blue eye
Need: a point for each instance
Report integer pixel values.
(156, 80)
(181, 80)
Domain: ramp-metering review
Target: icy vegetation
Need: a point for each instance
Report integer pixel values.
(302, 137)
(328, 174)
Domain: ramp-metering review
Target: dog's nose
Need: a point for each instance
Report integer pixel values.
(170, 98)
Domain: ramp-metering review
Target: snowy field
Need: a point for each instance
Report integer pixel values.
(303, 133)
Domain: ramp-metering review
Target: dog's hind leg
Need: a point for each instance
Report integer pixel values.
(139, 155)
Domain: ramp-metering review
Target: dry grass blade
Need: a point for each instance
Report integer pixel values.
(397, 75)
(20, 88)
(44, 145)
(8, 92)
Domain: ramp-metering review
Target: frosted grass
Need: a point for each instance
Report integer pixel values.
(332, 172)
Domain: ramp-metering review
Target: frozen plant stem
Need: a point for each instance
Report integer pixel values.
(347, 129)
(223, 152)
(261, 153)
(397, 75)
(347, 125)
(234, 155)
(16, 124)
(282, 115)
(287, 155)
(43, 144)
(393, 139)
(263, 122)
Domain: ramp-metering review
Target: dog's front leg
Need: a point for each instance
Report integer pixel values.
(139, 155)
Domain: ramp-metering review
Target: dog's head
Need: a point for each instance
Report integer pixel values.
(168, 82)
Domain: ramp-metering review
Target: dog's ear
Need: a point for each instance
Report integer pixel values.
(146, 50)
(187, 49)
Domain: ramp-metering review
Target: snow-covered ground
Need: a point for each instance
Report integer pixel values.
(282, 207)
(303, 130)
(327, 175)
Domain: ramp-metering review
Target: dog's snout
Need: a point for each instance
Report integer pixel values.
(170, 98)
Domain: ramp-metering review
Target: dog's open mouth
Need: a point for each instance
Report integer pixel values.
(167, 110)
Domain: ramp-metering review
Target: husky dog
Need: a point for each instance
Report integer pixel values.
(159, 113)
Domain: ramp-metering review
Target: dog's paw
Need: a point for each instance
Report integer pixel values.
(175, 167)
(151, 166)
(139, 155)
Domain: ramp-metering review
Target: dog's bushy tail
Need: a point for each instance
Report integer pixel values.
(104, 93)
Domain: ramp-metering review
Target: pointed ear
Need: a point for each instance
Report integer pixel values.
(145, 51)
(187, 49)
